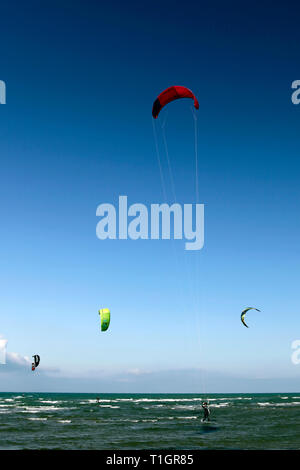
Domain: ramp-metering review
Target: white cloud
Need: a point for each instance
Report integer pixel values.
(16, 361)
(137, 371)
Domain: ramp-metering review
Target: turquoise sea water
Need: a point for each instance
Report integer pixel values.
(165, 421)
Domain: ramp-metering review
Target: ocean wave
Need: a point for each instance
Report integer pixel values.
(161, 400)
(37, 419)
(29, 411)
(185, 407)
(220, 405)
(95, 401)
(187, 417)
(129, 420)
(109, 406)
(50, 401)
(39, 409)
(166, 400)
(292, 403)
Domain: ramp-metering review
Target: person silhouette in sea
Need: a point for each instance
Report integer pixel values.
(206, 411)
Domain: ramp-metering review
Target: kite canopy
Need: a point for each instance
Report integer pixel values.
(36, 361)
(104, 318)
(170, 94)
(244, 313)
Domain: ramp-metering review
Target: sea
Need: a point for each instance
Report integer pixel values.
(77, 421)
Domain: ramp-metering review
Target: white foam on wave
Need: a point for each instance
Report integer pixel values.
(171, 400)
(160, 400)
(166, 400)
(185, 407)
(37, 419)
(94, 400)
(29, 411)
(127, 420)
(39, 409)
(293, 403)
(50, 401)
(220, 405)
(187, 417)
(109, 406)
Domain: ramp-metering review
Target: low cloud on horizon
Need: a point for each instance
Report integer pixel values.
(16, 376)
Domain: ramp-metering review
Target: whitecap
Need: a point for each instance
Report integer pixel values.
(37, 419)
(220, 405)
(108, 406)
(187, 417)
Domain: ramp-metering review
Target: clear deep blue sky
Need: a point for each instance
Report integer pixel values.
(76, 132)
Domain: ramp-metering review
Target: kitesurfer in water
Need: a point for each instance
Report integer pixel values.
(206, 411)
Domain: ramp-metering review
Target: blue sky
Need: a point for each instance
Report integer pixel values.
(76, 132)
